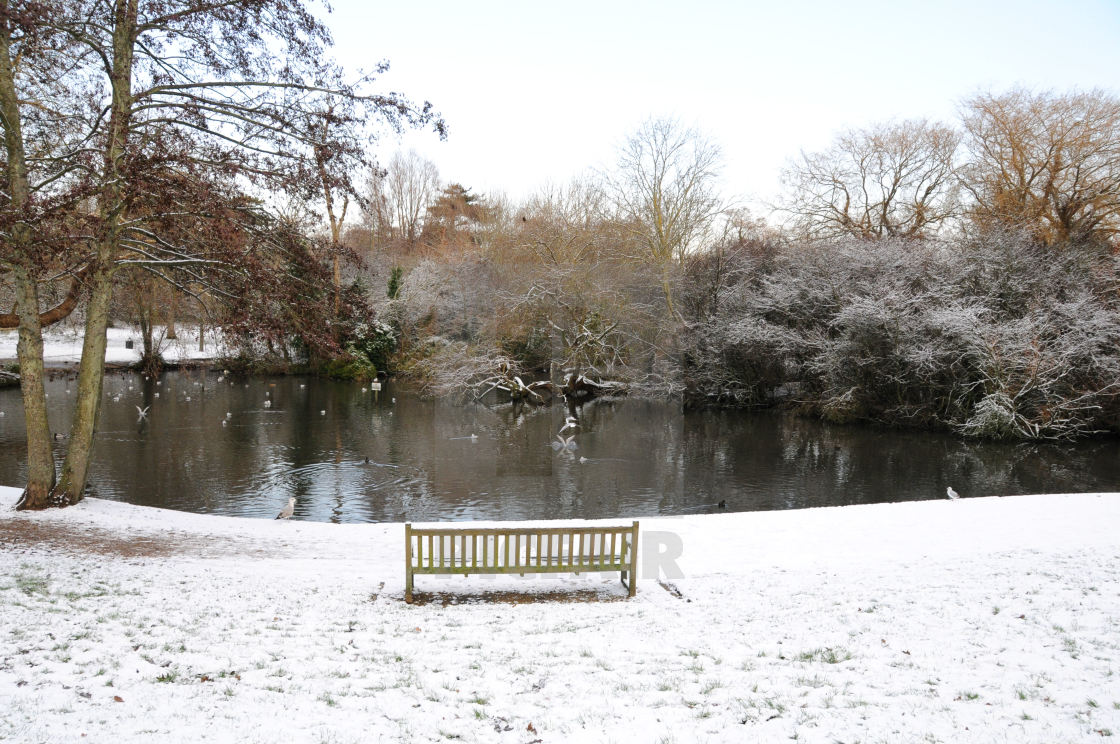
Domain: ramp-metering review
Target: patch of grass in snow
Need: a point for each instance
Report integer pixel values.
(814, 682)
(170, 675)
(828, 655)
(32, 583)
(1092, 703)
(1070, 646)
(968, 695)
(710, 686)
(995, 610)
(96, 591)
(326, 698)
(479, 700)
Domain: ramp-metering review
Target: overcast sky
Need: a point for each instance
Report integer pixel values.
(538, 92)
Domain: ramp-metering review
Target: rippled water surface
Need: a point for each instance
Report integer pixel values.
(212, 445)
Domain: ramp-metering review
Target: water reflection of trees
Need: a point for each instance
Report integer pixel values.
(635, 458)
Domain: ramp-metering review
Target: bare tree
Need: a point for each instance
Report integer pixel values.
(410, 185)
(665, 185)
(1046, 162)
(890, 180)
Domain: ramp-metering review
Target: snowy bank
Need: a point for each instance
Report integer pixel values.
(988, 619)
(64, 347)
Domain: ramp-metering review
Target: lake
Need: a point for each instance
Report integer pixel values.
(234, 446)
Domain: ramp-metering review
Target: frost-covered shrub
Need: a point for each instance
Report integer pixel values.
(449, 299)
(993, 418)
(992, 337)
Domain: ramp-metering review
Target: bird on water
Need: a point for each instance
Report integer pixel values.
(287, 511)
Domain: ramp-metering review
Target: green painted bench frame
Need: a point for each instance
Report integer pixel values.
(520, 550)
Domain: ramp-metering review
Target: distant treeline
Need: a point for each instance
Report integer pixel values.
(916, 274)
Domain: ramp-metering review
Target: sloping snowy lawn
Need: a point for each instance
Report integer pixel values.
(983, 620)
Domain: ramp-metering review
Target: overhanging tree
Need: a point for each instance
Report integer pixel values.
(193, 102)
(43, 159)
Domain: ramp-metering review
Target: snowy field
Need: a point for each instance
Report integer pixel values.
(63, 347)
(980, 620)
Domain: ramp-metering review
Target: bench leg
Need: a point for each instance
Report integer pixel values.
(408, 587)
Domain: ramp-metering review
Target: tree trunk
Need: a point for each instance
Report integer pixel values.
(146, 334)
(91, 378)
(91, 375)
(667, 288)
(40, 458)
(29, 348)
(173, 304)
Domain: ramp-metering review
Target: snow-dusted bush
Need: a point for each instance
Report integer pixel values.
(993, 337)
(446, 298)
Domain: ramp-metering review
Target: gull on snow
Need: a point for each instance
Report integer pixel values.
(287, 511)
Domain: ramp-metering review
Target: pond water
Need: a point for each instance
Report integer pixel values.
(225, 445)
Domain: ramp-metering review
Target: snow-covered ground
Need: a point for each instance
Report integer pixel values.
(65, 346)
(980, 620)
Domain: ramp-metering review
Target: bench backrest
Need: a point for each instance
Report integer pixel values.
(520, 549)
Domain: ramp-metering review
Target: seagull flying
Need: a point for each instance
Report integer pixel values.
(952, 494)
(287, 511)
(143, 412)
(569, 423)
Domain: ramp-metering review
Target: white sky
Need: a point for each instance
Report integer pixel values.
(538, 92)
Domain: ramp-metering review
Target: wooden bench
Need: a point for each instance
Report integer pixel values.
(520, 550)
